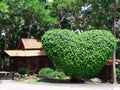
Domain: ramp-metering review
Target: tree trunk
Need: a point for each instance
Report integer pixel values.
(30, 27)
(77, 22)
(114, 53)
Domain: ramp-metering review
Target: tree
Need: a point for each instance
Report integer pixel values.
(83, 14)
(68, 12)
(17, 18)
(21, 17)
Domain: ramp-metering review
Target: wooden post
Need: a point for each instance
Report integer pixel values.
(114, 53)
(30, 27)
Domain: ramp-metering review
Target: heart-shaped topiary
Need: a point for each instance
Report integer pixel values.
(79, 56)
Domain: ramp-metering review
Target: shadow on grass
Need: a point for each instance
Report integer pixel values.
(68, 81)
(53, 80)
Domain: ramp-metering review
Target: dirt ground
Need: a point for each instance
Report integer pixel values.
(14, 85)
(8, 84)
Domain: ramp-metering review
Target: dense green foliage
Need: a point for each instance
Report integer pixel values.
(51, 74)
(20, 17)
(23, 71)
(79, 56)
(92, 14)
(17, 18)
(45, 71)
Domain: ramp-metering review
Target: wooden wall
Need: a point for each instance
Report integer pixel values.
(33, 64)
(105, 73)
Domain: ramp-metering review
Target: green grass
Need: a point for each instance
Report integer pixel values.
(34, 80)
(31, 80)
(28, 80)
(53, 80)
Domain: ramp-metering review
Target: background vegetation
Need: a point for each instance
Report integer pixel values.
(31, 18)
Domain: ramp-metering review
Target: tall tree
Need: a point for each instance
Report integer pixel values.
(83, 14)
(20, 17)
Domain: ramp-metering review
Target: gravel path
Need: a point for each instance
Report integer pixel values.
(13, 85)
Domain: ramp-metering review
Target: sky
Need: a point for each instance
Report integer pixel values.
(50, 0)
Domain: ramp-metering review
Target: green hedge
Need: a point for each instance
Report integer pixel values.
(51, 74)
(79, 56)
(45, 71)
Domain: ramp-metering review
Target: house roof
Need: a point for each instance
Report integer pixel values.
(110, 62)
(29, 44)
(24, 53)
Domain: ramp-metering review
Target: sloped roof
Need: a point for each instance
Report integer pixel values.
(24, 53)
(110, 61)
(30, 44)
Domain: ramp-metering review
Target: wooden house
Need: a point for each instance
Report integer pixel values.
(29, 54)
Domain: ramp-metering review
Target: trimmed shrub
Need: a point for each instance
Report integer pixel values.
(79, 56)
(57, 75)
(23, 71)
(52, 74)
(45, 71)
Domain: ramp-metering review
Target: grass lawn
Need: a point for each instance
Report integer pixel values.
(30, 80)
(33, 79)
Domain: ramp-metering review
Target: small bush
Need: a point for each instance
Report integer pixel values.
(45, 72)
(23, 71)
(52, 74)
(57, 75)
